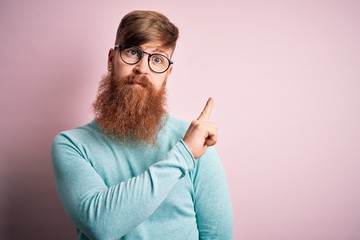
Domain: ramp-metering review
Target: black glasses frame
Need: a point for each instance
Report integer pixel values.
(122, 47)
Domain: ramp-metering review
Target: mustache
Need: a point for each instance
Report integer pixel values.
(142, 80)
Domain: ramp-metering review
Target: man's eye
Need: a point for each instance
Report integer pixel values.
(157, 59)
(132, 52)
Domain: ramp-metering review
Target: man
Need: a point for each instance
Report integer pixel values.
(135, 172)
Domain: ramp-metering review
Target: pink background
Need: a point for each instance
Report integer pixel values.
(285, 76)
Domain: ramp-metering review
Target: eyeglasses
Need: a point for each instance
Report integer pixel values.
(131, 55)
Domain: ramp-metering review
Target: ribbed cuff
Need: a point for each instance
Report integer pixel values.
(185, 152)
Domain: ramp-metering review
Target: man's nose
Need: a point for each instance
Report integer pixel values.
(142, 66)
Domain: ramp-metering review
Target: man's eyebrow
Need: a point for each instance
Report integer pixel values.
(159, 50)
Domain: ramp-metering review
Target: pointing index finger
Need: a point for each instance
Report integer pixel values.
(205, 114)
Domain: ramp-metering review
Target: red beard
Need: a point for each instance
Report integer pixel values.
(130, 108)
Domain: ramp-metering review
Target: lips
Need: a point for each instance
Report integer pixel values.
(138, 80)
(137, 84)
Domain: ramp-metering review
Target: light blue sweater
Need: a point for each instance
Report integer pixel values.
(114, 190)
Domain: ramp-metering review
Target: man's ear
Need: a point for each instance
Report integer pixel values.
(110, 59)
(169, 71)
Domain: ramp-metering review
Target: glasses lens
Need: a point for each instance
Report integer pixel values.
(159, 63)
(131, 55)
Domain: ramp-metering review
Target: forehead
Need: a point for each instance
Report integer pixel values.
(156, 47)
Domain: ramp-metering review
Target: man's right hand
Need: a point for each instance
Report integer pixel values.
(201, 133)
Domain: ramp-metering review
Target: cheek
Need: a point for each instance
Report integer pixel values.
(121, 69)
(159, 83)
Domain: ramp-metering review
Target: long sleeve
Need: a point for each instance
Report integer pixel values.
(212, 199)
(103, 212)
